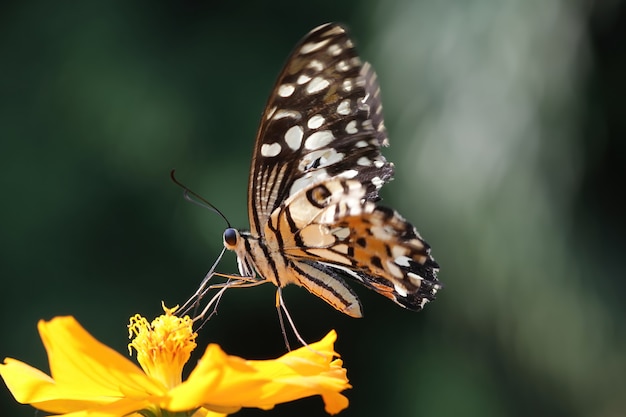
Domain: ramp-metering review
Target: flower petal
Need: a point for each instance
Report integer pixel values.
(307, 371)
(85, 373)
(90, 379)
(226, 383)
(26, 382)
(203, 412)
(206, 382)
(77, 358)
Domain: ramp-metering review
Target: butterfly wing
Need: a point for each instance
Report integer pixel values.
(323, 120)
(332, 224)
(316, 171)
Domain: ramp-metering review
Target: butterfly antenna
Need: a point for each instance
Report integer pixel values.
(193, 303)
(196, 199)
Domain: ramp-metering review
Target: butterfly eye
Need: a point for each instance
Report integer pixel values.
(230, 238)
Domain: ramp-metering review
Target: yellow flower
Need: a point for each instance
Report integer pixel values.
(89, 378)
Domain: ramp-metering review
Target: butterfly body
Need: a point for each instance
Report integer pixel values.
(314, 180)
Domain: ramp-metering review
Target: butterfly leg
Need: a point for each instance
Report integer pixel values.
(280, 305)
(236, 283)
(194, 300)
(233, 281)
(236, 277)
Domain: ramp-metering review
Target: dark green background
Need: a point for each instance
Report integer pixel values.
(507, 129)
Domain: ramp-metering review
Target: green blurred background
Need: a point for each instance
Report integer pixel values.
(507, 128)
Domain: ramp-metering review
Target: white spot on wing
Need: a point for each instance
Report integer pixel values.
(293, 137)
(269, 150)
(281, 114)
(402, 261)
(364, 161)
(286, 90)
(360, 144)
(316, 65)
(342, 66)
(377, 182)
(334, 49)
(351, 129)
(415, 279)
(347, 85)
(344, 107)
(316, 85)
(336, 30)
(309, 47)
(315, 121)
(318, 139)
(351, 173)
(401, 291)
(303, 79)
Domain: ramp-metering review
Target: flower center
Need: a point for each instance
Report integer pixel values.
(163, 346)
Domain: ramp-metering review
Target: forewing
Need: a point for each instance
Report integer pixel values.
(323, 120)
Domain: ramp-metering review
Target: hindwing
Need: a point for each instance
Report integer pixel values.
(333, 224)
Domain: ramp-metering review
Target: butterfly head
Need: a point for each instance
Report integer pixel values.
(240, 242)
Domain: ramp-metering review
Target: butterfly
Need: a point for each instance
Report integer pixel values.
(314, 180)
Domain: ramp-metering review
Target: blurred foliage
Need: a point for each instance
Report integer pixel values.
(507, 131)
